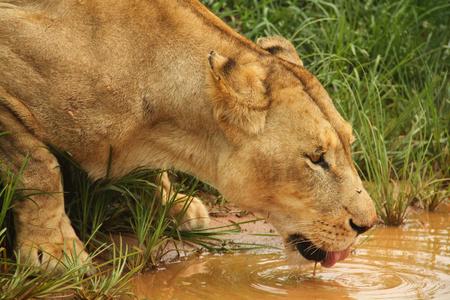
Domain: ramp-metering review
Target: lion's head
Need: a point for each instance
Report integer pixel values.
(290, 152)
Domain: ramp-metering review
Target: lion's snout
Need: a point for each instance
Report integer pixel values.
(362, 213)
(359, 229)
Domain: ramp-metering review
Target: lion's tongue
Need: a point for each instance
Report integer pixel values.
(333, 257)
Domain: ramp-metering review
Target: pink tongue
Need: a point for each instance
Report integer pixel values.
(333, 257)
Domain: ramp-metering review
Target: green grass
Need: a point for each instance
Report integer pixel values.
(385, 65)
(21, 281)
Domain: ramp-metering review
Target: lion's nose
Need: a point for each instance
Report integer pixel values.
(359, 229)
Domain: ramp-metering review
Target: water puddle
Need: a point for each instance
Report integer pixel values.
(412, 262)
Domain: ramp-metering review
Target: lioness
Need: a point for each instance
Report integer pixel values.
(168, 84)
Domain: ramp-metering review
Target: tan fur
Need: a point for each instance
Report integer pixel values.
(166, 83)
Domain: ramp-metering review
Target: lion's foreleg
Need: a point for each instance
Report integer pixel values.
(43, 230)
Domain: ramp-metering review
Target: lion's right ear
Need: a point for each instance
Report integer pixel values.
(238, 94)
(280, 47)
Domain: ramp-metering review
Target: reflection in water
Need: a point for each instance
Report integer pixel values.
(412, 262)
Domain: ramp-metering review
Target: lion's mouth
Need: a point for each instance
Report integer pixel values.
(311, 252)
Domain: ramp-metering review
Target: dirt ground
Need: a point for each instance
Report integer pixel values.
(252, 232)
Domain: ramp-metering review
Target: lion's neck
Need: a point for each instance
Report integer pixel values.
(180, 129)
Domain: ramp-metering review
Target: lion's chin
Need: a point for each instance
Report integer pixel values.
(302, 251)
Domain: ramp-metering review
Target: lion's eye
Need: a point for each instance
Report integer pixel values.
(318, 159)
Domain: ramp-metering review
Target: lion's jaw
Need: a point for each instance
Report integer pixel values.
(322, 234)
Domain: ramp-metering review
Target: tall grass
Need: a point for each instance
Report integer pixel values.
(385, 64)
(110, 279)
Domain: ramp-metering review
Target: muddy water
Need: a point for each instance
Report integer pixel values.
(412, 262)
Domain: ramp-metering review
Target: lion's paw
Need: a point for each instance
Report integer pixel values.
(196, 215)
(51, 256)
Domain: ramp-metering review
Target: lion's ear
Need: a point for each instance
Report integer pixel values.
(238, 94)
(281, 48)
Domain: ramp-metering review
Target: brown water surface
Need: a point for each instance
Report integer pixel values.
(411, 262)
